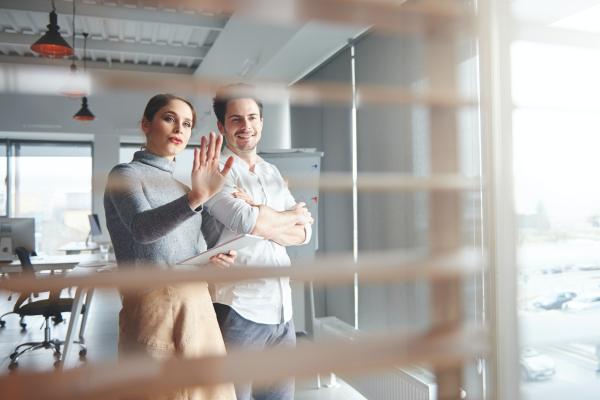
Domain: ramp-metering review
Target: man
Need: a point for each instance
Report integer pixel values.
(256, 200)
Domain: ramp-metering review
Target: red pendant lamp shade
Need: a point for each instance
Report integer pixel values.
(52, 44)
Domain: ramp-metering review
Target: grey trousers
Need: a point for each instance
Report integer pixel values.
(240, 332)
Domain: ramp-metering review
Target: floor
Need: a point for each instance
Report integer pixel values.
(101, 341)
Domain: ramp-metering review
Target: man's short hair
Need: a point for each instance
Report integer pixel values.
(233, 92)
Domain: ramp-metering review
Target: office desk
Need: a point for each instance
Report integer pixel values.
(50, 263)
(78, 247)
(68, 264)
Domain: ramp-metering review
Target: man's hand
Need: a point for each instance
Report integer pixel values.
(224, 260)
(240, 194)
(283, 227)
(304, 216)
(207, 179)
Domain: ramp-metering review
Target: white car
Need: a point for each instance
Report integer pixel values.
(554, 301)
(584, 302)
(536, 366)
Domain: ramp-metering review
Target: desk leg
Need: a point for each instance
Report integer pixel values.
(73, 320)
(88, 303)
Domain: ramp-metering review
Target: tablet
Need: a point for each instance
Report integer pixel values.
(236, 243)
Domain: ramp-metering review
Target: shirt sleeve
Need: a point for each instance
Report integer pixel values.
(237, 215)
(146, 224)
(291, 202)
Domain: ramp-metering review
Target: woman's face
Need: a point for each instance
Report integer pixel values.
(169, 131)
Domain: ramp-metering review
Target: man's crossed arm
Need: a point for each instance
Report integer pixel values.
(287, 228)
(238, 212)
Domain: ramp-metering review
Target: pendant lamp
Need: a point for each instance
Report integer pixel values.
(76, 85)
(52, 44)
(84, 113)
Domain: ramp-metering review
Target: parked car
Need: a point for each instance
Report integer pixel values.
(590, 268)
(555, 301)
(553, 270)
(536, 366)
(584, 302)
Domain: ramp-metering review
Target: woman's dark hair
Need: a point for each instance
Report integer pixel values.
(233, 92)
(160, 100)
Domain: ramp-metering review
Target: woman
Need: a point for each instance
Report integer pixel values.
(155, 220)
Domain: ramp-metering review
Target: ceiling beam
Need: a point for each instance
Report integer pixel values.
(117, 12)
(29, 60)
(109, 46)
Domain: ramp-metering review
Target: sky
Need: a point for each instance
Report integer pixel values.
(556, 131)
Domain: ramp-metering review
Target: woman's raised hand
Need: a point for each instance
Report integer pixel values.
(207, 178)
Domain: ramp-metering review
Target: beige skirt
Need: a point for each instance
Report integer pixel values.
(174, 321)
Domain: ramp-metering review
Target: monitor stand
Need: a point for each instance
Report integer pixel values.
(89, 241)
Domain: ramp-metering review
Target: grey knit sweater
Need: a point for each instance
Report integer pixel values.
(148, 215)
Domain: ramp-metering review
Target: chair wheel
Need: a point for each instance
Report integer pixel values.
(13, 365)
(57, 364)
(82, 352)
(23, 325)
(13, 356)
(56, 355)
(2, 324)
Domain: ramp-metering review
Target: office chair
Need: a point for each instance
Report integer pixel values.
(19, 301)
(57, 319)
(21, 321)
(29, 296)
(48, 308)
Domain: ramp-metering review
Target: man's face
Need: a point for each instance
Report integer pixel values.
(243, 125)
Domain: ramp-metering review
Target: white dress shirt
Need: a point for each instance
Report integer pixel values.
(269, 300)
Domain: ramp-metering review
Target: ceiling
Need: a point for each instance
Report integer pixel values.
(180, 37)
(142, 35)
(147, 36)
(174, 38)
(122, 34)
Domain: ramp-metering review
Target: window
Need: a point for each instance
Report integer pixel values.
(555, 131)
(126, 151)
(51, 182)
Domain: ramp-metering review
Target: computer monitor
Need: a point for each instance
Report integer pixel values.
(95, 229)
(16, 232)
